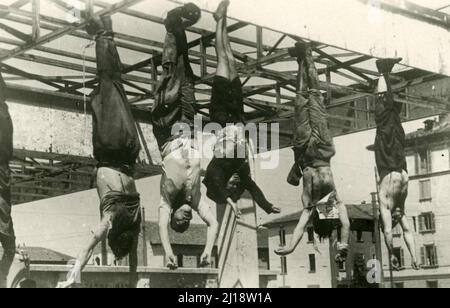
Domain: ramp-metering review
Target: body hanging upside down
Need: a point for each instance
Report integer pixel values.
(391, 163)
(174, 109)
(116, 148)
(7, 236)
(314, 148)
(228, 174)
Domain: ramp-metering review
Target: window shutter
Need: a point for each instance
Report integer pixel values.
(417, 163)
(436, 260)
(421, 223)
(428, 189)
(433, 222)
(402, 257)
(430, 165)
(422, 256)
(421, 190)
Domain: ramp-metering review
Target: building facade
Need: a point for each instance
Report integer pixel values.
(428, 208)
(312, 264)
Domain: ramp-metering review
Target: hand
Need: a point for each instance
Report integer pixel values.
(415, 266)
(284, 251)
(395, 263)
(235, 208)
(172, 262)
(205, 260)
(275, 210)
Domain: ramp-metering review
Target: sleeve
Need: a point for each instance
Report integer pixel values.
(216, 184)
(257, 194)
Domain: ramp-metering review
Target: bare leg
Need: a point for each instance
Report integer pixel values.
(390, 187)
(229, 52)
(222, 57)
(410, 242)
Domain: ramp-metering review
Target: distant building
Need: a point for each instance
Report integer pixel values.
(428, 206)
(312, 265)
(43, 256)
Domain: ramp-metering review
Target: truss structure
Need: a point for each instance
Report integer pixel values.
(42, 68)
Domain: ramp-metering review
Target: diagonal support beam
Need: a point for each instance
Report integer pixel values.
(66, 30)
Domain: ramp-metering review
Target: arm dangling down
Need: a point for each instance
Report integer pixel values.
(164, 222)
(207, 216)
(98, 236)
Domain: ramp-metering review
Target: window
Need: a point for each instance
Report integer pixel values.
(425, 190)
(263, 258)
(399, 285)
(180, 260)
(312, 263)
(432, 285)
(399, 253)
(284, 269)
(429, 256)
(360, 237)
(310, 235)
(342, 267)
(423, 162)
(282, 235)
(427, 223)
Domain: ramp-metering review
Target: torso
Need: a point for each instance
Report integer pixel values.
(109, 179)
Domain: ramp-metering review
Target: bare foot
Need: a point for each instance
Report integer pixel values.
(275, 210)
(222, 10)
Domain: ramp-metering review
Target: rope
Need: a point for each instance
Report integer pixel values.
(89, 45)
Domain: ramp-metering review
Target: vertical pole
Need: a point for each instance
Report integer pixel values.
(329, 92)
(377, 230)
(333, 267)
(144, 239)
(89, 7)
(278, 91)
(259, 43)
(238, 244)
(36, 28)
(203, 59)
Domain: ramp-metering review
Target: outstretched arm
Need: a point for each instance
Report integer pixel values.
(164, 220)
(298, 234)
(207, 216)
(86, 254)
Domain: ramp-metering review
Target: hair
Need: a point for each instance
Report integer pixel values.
(179, 227)
(324, 227)
(124, 231)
